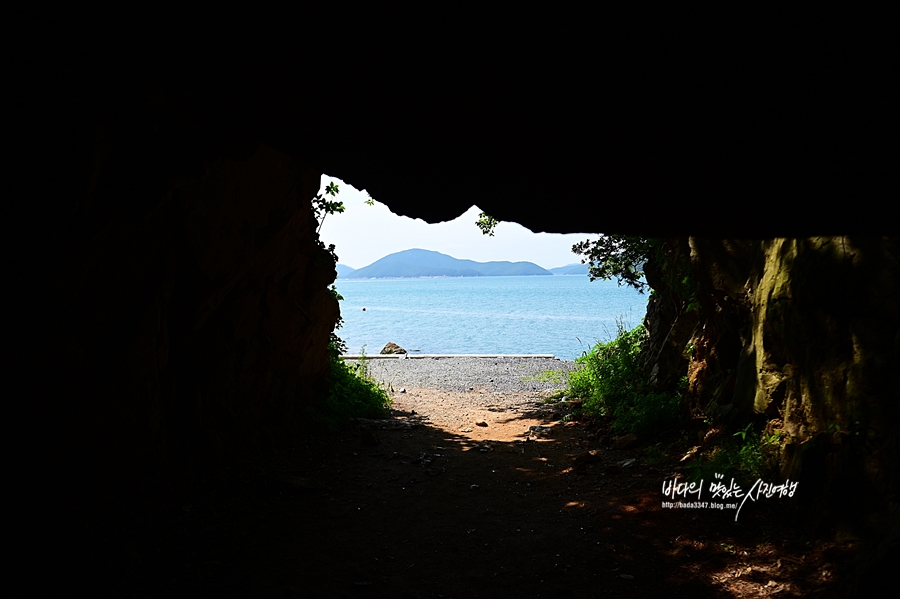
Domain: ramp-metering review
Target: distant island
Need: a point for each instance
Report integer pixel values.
(426, 263)
(571, 269)
(344, 271)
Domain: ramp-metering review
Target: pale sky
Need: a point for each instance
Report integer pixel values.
(363, 234)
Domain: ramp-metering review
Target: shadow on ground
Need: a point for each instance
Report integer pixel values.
(407, 509)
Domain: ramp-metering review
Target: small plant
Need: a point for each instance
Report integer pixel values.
(362, 363)
(753, 455)
(556, 396)
(336, 345)
(743, 433)
(547, 376)
(353, 393)
(577, 413)
(322, 206)
(487, 224)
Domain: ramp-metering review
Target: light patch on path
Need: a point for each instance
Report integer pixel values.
(508, 416)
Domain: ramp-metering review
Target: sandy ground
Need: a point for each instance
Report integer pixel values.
(460, 494)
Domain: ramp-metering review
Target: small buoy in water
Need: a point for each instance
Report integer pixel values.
(364, 309)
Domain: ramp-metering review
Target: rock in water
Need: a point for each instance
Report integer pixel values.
(393, 348)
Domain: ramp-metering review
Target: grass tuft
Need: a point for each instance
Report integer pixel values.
(557, 377)
(353, 392)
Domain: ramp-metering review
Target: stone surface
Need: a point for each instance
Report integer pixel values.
(392, 348)
(589, 457)
(624, 441)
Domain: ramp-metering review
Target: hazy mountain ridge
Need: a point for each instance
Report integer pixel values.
(343, 271)
(571, 269)
(427, 263)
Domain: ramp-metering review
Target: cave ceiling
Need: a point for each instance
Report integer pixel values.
(736, 155)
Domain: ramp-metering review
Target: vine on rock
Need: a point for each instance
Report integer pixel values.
(352, 393)
(322, 207)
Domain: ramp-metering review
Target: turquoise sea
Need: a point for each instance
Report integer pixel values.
(559, 315)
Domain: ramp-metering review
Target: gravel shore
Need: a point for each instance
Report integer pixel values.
(494, 375)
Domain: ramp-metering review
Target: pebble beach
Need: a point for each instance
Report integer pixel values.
(461, 374)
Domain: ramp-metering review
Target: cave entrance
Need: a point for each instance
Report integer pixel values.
(446, 288)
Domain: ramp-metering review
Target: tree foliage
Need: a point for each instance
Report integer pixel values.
(610, 256)
(487, 224)
(617, 256)
(322, 206)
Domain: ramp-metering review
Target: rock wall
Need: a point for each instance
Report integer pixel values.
(671, 319)
(824, 344)
(193, 313)
(804, 335)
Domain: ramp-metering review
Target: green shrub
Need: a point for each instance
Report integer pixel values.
(353, 392)
(646, 413)
(611, 383)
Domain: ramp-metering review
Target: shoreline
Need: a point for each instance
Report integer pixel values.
(409, 356)
(502, 374)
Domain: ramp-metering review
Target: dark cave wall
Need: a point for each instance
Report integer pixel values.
(169, 301)
(801, 335)
(825, 328)
(193, 311)
(179, 299)
(670, 320)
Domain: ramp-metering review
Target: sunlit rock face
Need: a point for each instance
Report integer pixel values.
(824, 344)
(801, 334)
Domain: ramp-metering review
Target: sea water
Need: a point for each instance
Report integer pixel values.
(563, 315)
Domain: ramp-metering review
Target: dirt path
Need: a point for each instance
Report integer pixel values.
(447, 500)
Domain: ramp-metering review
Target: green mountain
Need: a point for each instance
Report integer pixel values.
(426, 263)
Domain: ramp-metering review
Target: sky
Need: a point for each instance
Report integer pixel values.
(363, 234)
